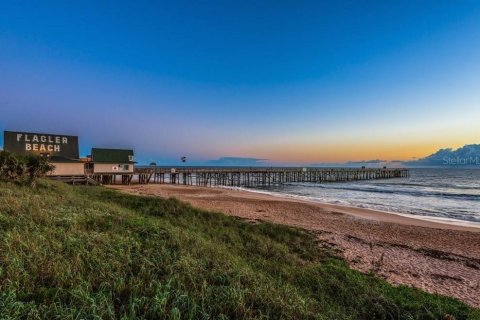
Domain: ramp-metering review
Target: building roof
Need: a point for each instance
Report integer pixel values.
(60, 159)
(102, 155)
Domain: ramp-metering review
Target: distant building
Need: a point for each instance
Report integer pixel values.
(111, 161)
(62, 150)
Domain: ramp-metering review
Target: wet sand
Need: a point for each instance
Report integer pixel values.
(434, 256)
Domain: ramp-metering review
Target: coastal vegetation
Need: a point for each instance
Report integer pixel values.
(23, 169)
(93, 253)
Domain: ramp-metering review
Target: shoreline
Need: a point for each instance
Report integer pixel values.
(436, 257)
(374, 214)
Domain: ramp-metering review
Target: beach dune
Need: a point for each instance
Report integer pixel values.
(437, 257)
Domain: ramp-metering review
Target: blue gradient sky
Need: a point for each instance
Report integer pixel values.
(289, 81)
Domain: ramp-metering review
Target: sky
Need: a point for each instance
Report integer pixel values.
(293, 82)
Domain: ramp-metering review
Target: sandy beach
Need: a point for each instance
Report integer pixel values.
(434, 256)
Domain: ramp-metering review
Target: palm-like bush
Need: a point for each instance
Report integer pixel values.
(37, 167)
(23, 169)
(11, 168)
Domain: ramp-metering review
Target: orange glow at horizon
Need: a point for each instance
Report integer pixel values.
(343, 152)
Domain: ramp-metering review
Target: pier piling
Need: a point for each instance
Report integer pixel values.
(251, 177)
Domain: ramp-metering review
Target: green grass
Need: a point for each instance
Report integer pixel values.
(91, 253)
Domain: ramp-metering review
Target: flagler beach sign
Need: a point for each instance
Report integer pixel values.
(40, 143)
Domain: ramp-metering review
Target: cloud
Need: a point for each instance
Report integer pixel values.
(376, 163)
(468, 155)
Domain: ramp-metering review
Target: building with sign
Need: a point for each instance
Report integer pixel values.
(62, 150)
(111, 161)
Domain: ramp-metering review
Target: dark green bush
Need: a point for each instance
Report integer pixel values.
(23, 169)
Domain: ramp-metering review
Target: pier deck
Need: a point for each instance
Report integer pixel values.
(248, 177)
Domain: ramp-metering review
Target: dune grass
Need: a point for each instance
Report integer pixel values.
(92, 253)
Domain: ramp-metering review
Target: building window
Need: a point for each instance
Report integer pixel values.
(130, 158)
(126, 167)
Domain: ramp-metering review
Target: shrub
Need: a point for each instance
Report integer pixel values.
(11, 168)
(23, 169)
(37, 167)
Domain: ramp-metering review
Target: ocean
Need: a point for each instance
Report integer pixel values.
(446, 194)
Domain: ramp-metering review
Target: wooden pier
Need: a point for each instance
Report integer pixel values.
(249, 177)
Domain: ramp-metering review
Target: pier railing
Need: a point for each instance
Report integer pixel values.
(251, 177)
